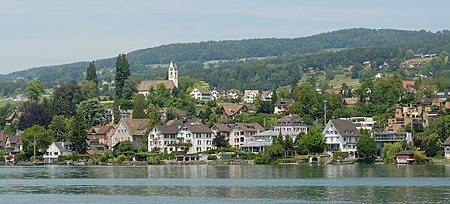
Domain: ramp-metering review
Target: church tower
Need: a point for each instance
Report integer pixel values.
(173, 73)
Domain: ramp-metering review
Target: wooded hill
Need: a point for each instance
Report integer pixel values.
(292, 56)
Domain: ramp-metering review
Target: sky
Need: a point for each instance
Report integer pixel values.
(52, 32)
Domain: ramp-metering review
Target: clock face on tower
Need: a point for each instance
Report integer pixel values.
(171, 69)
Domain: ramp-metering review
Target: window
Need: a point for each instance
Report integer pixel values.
(199, 149)
(199, 142)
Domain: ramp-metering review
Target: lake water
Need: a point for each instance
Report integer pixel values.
(226, 184)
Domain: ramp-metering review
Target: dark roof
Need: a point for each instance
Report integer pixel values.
(238, 92)
(100, 130)
(135, 126)
(426, 100)
(251, 127)
(62, 148)
(231, 110)
(167, 129)
(446, 142)
(407, 152)
(223, 127)
(284, 102)
(346, 128)
(203, 90)
(197, 128)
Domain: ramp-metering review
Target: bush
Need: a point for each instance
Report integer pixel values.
(287, 160)
(120, 159)
(154, 160)
(419, 158)
(337, 155)
(212, 157)
(19, 157)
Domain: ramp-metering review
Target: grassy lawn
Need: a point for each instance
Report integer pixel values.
(339, 79)
(441, 160)
(4, 102)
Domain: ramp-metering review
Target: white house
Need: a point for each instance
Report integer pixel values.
(250, 95)
(192, 136)
(215, 94)
(57, 149)
(201, 93)
(289, 126)
(446, 145)
(362, 123)
(341, 136)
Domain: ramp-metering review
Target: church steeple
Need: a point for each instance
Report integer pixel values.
(173, 73)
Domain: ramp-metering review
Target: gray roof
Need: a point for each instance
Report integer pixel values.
(446, 142)
(346, 128)
(62, 148)
(256, 144)
(167, 129)
(276, 133)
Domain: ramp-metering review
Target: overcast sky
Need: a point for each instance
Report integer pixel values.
(50, 32)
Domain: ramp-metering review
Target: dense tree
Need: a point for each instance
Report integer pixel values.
(264, 106)
(91, 73)
(312, 142)
(59, 128)
(139, 105)
(122, 74)
(390, 150)
(130, 87)
(65, 99)
(36, 137)
(367, 148)
(92, 113)
(125, 147)
(88, 89)
(34, 114)
(35, 89)
(220, 141)
(77, 135)
(433, 145)
(153, 115)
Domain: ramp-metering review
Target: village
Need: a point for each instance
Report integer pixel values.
(184, 138)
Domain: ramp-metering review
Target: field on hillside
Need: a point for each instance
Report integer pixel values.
(339, 79)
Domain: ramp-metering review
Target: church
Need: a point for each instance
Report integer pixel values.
(145, 86)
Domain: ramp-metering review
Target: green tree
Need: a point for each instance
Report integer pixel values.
(389, 152)
(153, 116)
(433, 145)
(130, 87)
(88, 89)
(36, 135)
(139, 105)
(313, 142)
(367, 148)
(77, 135)
(65, 99)
(122, 74)
(274, 151)
(91, 73)
(59, 128)
(92, 113)
(125, 147)
(35, 90)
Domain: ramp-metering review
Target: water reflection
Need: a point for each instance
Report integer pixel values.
(249, 183)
